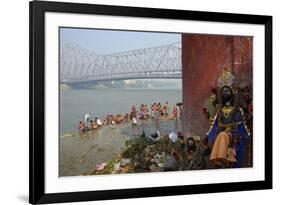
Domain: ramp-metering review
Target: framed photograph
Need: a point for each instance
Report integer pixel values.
(130, 102)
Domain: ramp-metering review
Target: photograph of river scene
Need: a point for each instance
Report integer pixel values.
(134, 89)
(125, 105)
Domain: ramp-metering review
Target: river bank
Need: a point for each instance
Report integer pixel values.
(80, 152)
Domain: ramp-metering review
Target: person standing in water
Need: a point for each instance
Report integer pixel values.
(175, 113)
(87, 118)
(167, 108)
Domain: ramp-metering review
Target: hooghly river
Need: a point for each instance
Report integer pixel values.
(74, 103)
(81, 151)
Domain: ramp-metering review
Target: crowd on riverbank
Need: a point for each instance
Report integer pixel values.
(155, 111)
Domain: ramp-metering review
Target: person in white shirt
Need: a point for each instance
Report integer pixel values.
(99, 123)
(87, 118)
(134, 121)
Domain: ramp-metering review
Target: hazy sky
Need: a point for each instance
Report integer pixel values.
(109, 41)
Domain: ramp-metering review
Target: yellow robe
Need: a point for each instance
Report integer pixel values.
(221, 151)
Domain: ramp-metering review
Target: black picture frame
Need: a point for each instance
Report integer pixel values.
(37, 10)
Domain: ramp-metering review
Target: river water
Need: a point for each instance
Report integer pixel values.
(74, 103)
(80, 152)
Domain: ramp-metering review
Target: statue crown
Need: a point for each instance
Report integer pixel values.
(226, 78)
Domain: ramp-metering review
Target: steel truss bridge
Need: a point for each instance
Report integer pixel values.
(78, 65)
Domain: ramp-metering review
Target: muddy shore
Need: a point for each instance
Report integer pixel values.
(80, 152)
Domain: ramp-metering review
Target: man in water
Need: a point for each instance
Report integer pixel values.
(166, 109)
(87, 118)
(99, 123)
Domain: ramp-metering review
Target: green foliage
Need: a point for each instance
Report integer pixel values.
(109, 167)
(135, 147)
(135, 150)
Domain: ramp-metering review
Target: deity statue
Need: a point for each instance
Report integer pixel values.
(228, 131)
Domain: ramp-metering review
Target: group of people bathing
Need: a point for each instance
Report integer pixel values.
(156, 111)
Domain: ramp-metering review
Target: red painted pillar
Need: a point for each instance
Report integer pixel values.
(203, 58)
